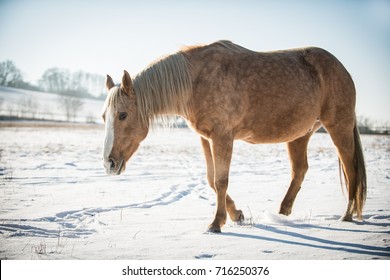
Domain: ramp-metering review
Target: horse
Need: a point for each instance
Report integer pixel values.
(226, 92)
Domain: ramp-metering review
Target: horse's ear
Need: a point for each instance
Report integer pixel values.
(127, 84)
(109, 83)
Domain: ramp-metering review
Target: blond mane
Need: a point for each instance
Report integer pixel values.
(163, 88)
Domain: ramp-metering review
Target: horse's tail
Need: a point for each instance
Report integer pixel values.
(360, 190)
(361, 177)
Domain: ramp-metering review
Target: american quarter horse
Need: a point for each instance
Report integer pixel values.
(226, 92)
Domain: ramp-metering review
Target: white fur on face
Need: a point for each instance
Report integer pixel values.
(109, 140)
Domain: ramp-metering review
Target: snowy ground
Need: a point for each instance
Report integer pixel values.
(57, 203)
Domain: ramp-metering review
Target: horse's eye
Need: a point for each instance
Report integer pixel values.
(122, 116)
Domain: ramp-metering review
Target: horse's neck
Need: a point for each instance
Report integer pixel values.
(164, 88)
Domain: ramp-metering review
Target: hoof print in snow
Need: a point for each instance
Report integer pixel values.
(204, 256)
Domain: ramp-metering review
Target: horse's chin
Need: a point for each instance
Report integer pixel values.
(116, 165)
(121, 167)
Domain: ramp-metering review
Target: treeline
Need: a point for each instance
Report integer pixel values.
(55, 80)
(368, 126)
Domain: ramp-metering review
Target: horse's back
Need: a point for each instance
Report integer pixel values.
(263, 96)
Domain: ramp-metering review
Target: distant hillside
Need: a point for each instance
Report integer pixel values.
(27, 104)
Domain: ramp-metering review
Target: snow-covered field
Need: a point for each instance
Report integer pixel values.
(41, 105)
(57, 203)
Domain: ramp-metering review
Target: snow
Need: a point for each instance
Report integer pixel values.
(56, 202)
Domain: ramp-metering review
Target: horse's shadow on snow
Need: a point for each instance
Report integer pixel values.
(293, 238)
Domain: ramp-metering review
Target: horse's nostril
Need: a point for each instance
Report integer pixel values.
(112, 163)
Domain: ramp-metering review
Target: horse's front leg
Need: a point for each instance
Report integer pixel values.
(235, 215)
(221, 149)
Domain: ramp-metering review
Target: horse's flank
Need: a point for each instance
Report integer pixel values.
(261, 97)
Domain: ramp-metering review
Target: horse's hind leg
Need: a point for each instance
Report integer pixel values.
(235, 215)
(346, 138)
(297, 151)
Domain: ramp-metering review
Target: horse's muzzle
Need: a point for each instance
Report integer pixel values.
(114, 167)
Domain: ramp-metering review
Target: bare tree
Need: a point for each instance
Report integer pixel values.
(55, 80)
(81, 84)
(365, 124)
(71, 106)
(29, 106)
(10, 75)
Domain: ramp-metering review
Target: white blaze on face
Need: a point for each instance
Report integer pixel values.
(109, 141)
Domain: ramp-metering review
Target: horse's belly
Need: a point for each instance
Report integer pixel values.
(276, 133)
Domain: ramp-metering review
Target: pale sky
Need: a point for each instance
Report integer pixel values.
(106, 37)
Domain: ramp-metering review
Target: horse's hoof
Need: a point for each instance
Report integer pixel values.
(285, 211)
(240, 217)
(347, 218)
(214, 229)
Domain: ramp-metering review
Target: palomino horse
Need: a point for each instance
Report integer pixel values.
(226, 92)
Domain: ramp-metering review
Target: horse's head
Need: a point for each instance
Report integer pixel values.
(124, 130)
